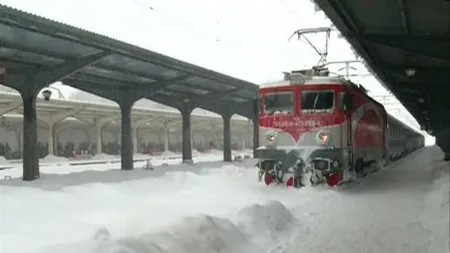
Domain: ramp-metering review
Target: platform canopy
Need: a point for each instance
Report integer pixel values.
(43, 51)
(36, 52)
(407, 44)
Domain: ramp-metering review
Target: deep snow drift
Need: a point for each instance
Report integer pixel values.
(221, 208)
(404, 208)
(255, 228)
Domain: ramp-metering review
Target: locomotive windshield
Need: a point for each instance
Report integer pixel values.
(317, 100)
(279, 102)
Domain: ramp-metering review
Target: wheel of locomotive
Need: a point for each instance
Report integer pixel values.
(312, 181)
(381, 164)
(359, 167)
(260, 175)
(315, 179)
(298, 182)
(342, 182)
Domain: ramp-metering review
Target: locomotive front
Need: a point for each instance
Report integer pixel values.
(302, 128)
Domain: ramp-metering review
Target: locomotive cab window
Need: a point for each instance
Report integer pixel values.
(281, 102)
(317, 100)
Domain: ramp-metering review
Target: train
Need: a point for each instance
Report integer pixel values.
(325, 128)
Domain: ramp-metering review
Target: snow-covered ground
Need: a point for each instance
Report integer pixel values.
(216, 207)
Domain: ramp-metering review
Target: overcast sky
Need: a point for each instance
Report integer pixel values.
(247, 39)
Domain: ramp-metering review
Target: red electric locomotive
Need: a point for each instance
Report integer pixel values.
(327, 125)
(313, 122)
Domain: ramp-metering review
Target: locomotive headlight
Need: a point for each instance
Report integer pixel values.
(271, 137)
(323, 137)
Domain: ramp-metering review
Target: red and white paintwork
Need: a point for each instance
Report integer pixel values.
(298, 130)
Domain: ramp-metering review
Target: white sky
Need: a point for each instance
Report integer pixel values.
(247, 39)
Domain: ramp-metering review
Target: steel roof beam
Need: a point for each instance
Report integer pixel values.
(162, 84)
(427, 78)
(19, 64)
(38, 79)
(89, 88)
(123, 71)
(404, 15)
(102, 80)
(422, 37)
(207, 97)
(67, 68)
(213, 106)
(118, 94)
(175, 102)
(342, 10)
(213, 96)
(228, 107)
(436, 53)
(18, 47)
(409, 90)
(429, 69)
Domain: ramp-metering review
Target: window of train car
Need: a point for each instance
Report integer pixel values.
(281, 102)
(322, 100)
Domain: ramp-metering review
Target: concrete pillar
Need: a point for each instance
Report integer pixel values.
(135, 140)
(99, 144)
(56, 142)
(51, 142)
(186, 137)
(166, 138)
(18, 133)
(255, 136)
(192, 139)
(30, 159)
(227, 137)
(255, 119)
(127, 139)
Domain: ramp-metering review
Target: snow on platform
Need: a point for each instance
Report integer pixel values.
(216, 207)
(4, 164)
(60, 165)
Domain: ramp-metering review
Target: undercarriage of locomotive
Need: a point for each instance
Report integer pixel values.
(320, 170)
(274, 171)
